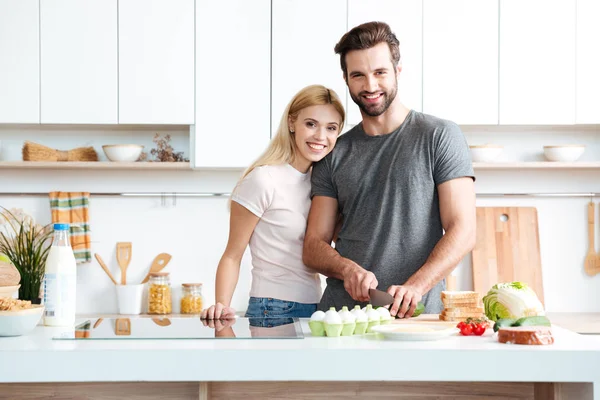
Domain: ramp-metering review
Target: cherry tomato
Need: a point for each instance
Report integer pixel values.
(479, 329)
(466, 330)
(460, 324)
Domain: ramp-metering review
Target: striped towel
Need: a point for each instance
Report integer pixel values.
(73, 208)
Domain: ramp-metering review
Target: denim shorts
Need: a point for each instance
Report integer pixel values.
(267, 307)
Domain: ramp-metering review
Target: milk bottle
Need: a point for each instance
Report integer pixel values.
(60, 281)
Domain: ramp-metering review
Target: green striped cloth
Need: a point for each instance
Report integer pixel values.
(73, 208)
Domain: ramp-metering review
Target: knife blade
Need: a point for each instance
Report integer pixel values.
(380, 298)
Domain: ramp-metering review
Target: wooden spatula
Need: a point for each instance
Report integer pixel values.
(591, 257)
(105, 268)
(160, 261)
(123, 258)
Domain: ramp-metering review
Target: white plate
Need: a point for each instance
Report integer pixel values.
(416, 331)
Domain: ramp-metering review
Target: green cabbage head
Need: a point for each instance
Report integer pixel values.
(512, 300)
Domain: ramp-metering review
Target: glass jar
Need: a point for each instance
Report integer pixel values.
(159, 293)
(191, 298)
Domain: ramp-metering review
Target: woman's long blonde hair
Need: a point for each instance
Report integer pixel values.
(282, 148)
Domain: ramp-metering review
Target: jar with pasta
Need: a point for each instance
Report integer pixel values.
(159, 293)
(191, 298)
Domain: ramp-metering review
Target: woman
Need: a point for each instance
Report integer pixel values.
(269, 209)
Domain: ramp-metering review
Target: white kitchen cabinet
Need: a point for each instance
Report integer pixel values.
(537, 62)
(19, 61)
(588, 62)
(233, 82)
(405, 19)
(156, 61)
(304, 33)
(79, 61)
(460, 60)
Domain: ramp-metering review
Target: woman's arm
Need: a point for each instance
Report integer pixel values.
(241, 226)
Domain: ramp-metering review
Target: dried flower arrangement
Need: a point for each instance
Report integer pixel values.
(163, 152)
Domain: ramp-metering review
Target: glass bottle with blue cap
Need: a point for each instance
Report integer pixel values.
(60, 280)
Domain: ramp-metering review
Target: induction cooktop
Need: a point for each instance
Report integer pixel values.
(182, 327)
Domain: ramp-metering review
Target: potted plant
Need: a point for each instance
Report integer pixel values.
(26, 244)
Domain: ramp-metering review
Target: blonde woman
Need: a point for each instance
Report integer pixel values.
(269, 209)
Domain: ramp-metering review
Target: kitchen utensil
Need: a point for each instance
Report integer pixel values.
(507, 248)
(129, 298)
(159, 262)
(9, 291)
(591, 259)
(565, 153)
(98, 322)
(123, 258)
(485, 152)
(162, 321)
(123, 152)
(380, 298)
(105, 268)
(20, 322)
(423, 331)
(123, 327)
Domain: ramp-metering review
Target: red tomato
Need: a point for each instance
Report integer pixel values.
(460, 324)
(466, 330)
(479, 329)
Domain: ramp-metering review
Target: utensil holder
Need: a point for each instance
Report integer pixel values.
(129, 298)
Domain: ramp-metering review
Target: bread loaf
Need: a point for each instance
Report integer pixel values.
(9, 275)
(531, 335)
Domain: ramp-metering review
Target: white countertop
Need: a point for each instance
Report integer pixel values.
(38, 358)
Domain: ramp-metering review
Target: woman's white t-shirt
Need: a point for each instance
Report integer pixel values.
(280, 196)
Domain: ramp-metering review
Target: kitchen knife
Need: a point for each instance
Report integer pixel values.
(380, 298)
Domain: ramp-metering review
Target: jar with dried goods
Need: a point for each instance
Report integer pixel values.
(159, 293)
(191, 299)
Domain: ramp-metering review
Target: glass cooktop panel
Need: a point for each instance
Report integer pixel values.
(124, 328)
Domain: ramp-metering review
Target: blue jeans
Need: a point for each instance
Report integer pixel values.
(267, 307)
(268, 312)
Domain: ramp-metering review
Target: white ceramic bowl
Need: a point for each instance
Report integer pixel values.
(123, 152)
(9, 291)
(20, 322)
(485, 152)
(567, 152)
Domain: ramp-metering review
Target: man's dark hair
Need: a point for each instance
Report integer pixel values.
(366, 36)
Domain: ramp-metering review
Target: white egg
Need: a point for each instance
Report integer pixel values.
(317, 316)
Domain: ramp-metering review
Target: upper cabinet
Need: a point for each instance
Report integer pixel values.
(19, 61)
(79, 61)
(460, 60)
(406, 20)
(156, 61)
(304, 34)
(588, 62)
(233, 87)
(537, 62)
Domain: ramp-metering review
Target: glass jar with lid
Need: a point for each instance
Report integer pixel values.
(191, 298)
(159, 293)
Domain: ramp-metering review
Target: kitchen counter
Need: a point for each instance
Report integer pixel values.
(354, 366)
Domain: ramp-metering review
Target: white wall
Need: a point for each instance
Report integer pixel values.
(195, 230)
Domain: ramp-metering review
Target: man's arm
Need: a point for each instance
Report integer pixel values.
(457, 212)
(320, 256)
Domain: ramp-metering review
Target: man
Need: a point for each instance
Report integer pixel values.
(398, 179)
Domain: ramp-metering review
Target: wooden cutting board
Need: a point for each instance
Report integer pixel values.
(507, 248)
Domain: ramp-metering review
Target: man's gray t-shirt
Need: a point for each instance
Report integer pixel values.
(386, 191)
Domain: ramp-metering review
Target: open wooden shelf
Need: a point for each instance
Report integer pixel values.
(185, 166)
(177, 166)
(537, 165)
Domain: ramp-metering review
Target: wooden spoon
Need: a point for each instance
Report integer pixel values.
(123, 258)
(105, 268)
(591, 257)
(160, 261)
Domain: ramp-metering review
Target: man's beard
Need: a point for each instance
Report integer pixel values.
(373, 110)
